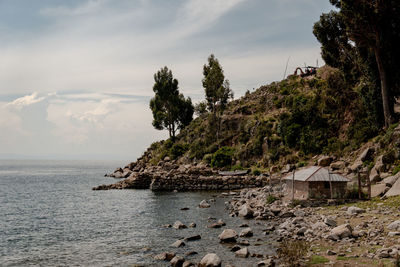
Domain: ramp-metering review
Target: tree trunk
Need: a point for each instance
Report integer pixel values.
(359, 184)
(384, 85)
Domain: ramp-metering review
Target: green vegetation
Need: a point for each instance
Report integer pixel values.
(222, 157)
(289, 122)
(316, 259)
(170, 108)
(271, 199)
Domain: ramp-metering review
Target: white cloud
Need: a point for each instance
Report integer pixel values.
(25, 101)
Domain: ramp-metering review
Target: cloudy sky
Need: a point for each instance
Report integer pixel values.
(76, 76)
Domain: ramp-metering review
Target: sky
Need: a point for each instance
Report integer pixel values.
(76, 76)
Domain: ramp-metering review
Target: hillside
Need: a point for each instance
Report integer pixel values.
(287, 122)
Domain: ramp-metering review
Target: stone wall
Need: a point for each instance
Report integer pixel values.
(187, 183)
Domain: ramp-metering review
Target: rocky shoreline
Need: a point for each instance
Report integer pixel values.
(359, 233)
(169, 176)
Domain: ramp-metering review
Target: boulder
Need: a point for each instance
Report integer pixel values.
(342, 231)
(394, 226)
(325, 161)
(204, 204)
(247, 232)
(245, 211)
(177, 261)
(391, 180)
(338, 165)
(379, 165)
(179, 225)
(374, 176)
(354, 210)
(210, 260)
(242, 253)
(367, 154)
(228, 235)
(378, 190)
(394, 190)
(330, 221)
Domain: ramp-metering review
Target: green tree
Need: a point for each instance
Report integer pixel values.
(216, 87)
(170, 109)
(217, 90)
(365, 34)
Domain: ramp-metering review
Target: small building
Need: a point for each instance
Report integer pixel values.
(314, 183)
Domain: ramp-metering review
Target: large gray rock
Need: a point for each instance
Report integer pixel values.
(391, 180)
(395, 226)
(378, 190)
(374, 176)
(342, 231)
(246, 211)
(210, 260)
(367, 154)
(354, 210)
(338, 165)
(228, 235)
(394, 190)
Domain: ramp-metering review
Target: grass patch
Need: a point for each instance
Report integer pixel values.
(316, 259)
(341, 258)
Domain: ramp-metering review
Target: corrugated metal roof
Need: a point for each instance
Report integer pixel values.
(315, 174)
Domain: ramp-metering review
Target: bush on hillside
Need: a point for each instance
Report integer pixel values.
(222, 157)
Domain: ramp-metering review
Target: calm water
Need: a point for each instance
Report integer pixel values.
(49, 216)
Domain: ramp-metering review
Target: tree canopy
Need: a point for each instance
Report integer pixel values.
(170, 109)
(361, 38)
(217, 89)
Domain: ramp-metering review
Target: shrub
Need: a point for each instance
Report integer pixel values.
(271, 199)
(222, 157)
(256, 172)
(291, 252)
(207, 158)
(396, 170)
(237, 168)
(178, 150)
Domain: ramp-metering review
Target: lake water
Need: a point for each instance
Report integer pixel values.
(49, 216)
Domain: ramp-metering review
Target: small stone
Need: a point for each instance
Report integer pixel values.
(228, 235)
(247, 232)
(192, 225)
(191, 253)
(235, 248)
(178, 244)
(330, 252)
(193, 238)
(177, 261)
(179, 225)
(266, 263)
(204, 204)
(330, 222)
(188, 264)
(166, 256)
(354, 210)
(210, 260)
(245, 211)
(242, 253)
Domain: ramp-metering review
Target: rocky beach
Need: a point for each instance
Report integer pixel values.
(339, 232)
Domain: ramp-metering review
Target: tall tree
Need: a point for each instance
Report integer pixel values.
(217, 90)
(371, 28)
(170, 109)
(216, 87)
